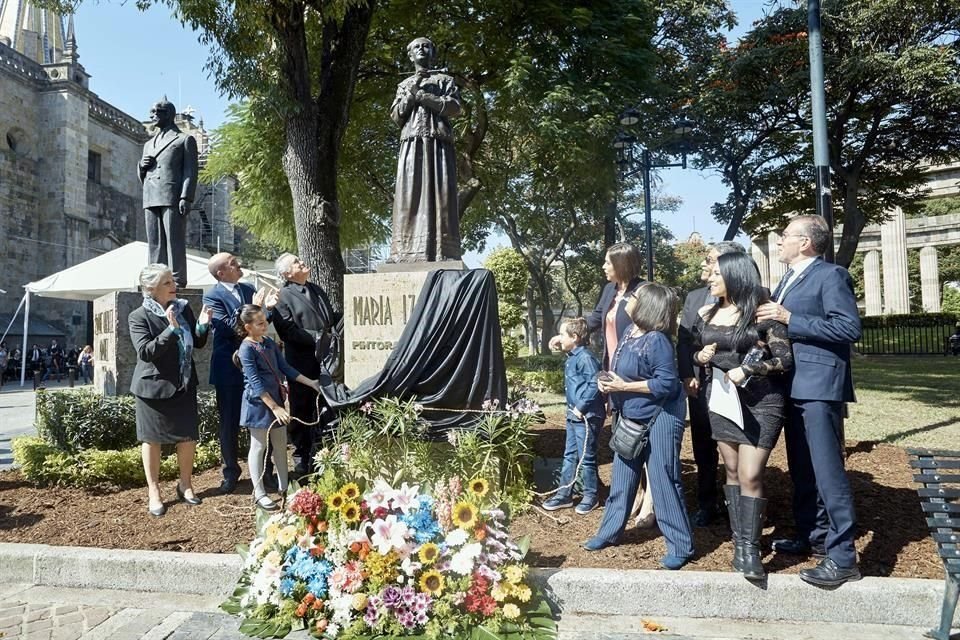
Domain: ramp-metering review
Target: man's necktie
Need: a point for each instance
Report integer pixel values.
(783, 285)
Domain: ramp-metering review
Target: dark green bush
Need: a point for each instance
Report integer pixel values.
(82, 419)
(910, 320)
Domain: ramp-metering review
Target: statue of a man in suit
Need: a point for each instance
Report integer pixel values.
(168, 171)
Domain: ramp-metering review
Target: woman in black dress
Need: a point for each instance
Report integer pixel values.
(753, 356)
(165, 332)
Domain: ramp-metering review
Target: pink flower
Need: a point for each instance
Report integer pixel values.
(405, 498)
(388, 534)
(379, 497)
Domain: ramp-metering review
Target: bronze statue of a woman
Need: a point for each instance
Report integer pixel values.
(425, 217)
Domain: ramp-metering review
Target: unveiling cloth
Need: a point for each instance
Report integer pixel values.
(449, 356)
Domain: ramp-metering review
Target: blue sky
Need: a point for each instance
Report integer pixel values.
(135, 58)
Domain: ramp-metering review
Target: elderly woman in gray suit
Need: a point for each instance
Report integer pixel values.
(165, 333)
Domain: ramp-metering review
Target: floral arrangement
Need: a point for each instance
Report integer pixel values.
(345, 560)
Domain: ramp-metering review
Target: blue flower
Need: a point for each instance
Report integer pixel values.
(286, 586)
(318, 586)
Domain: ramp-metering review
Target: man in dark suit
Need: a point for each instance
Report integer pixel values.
(224, 301)
(168, 171)
(815, 300)
(704, 446)
(307, 324)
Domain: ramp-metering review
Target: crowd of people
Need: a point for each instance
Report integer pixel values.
(781, 359)
(247, 370)
(52, 362)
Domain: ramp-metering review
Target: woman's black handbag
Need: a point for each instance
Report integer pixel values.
(630, 437)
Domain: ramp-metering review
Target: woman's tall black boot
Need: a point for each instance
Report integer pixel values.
(731, 493)
(752, 512)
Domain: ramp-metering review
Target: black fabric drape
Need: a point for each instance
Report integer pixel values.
(450, 355)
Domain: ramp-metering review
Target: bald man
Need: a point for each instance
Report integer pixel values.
(224, 301)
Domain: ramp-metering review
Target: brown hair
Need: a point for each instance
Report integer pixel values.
(655, 308)
(625, 259)
(247, 313)
(575, 327)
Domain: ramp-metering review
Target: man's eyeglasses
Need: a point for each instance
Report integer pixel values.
(794, 235)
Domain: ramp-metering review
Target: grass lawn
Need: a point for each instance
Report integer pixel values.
(907, 401)
(902, 400)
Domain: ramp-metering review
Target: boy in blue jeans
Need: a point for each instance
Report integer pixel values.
(585, 413)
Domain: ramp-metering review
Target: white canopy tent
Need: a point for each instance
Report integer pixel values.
(117, 270)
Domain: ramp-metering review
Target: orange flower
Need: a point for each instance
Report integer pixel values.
(301, 610)
(321, 625)
(316, 552)
(480, 533)
(322, 526)
(317, 605)
(309, 598)
(354, 547)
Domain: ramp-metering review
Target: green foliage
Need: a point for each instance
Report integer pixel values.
(951, 300)
(892, 93)
(82, 419)
(388, 439)
(44, 464)
(538, 374)
(910, 320)
(250, 145)
(87, 440)
(510, 273)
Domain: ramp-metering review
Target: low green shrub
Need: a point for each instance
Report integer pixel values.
(82, 419)
(43, 464)
(89, 440)
(511, 347)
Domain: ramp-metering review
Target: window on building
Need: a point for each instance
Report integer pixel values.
(93, 166)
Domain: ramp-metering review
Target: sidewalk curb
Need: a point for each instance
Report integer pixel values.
(693, 594)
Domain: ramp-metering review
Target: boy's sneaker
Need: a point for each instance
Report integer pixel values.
(556, 502)
(586, 506)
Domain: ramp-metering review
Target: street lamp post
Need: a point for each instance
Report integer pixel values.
(629, 165)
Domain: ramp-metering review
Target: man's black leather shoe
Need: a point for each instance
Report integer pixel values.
(828, 574)
(228, 486)
(794, 547)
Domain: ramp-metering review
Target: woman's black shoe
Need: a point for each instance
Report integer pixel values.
(191, 501)
(159, 511)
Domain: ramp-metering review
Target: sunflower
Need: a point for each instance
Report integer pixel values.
(428, 553)
(350, 491)
(465, 515)
(335, 501)
(478, 487)
(431, 582)
(350, 512)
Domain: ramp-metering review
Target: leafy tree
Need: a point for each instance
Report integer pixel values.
(893, 102)
(510, 274)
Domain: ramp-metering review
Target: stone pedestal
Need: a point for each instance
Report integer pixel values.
(893, 243)
(871, 283)
(929, 280)
(114, 356)
(376, 307)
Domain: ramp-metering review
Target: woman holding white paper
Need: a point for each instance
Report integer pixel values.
(753, 356)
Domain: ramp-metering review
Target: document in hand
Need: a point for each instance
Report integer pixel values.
(724, 399)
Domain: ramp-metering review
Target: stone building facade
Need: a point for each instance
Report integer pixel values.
(68, 179)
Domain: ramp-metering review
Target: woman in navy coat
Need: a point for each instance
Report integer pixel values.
(265, 390)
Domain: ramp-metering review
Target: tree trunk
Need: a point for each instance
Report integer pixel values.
(532, 343)
(542, 280)
(314, 130)
(853, 224)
